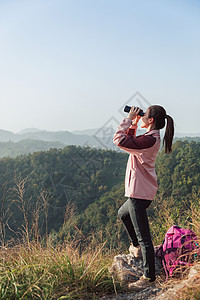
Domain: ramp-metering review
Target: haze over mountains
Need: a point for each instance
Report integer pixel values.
(33, 139)
(77, 137)
(30, 140)
(65, 137)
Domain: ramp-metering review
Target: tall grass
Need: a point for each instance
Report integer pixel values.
(78, 267)
(35, 268)
(32, 271)
(191, 292)
(169, 214)
(195, 214)
(166, 213)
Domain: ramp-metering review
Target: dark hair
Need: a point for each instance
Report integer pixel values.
(158, 113)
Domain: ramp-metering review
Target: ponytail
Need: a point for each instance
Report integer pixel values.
(169, 134)
(158, 113)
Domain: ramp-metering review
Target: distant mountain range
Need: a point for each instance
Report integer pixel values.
(30, 140)
(65, 137)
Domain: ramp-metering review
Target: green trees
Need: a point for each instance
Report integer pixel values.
(71, 175)
(179, 173)
(93, 181)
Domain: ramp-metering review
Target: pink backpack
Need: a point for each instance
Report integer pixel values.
(179, 248)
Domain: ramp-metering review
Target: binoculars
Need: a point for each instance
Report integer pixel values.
(128, 108)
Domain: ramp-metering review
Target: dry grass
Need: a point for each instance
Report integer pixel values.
(168, 216)
(36, 272)
(191, 292)
(53, 270)
(50, 270)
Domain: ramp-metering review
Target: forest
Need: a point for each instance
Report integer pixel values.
(41, 191)
(59, 229)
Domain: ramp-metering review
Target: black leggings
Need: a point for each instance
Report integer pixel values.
(134, 216)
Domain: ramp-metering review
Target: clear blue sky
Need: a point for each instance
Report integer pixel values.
(71, 64)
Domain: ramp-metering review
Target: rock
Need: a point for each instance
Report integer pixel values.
(191, 282)
(128, 268)
(157, 293)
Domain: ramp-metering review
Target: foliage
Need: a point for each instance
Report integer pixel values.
(179, 173)
(12, 149)
(37, 272)
(93, 181)
(58, 217)
(70, 175)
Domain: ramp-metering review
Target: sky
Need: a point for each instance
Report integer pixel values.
(73, 64)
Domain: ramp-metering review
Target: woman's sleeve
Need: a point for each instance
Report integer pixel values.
(125, 137)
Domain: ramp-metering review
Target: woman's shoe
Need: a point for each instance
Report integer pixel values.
(135, 251)
(141, 284)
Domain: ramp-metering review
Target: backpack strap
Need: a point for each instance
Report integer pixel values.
(164, 267)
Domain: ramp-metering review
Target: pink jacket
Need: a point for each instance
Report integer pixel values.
(140, 179)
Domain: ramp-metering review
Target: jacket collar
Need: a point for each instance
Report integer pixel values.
(155, 132)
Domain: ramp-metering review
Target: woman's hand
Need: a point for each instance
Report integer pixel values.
(133, 115)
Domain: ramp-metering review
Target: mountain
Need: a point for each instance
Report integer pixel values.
(59, 225)
(86, 131)
(28, 130)
(93, 181)
(13, 149)
(99, 131)
(6, 135)
(35, 139)
(65, 137)
(75, 174)
(183, 135)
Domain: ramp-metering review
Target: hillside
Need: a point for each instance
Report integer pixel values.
(31, 140)
(13, 149)
(96, 139)
(73, 174)
(59, 227)
(93, 181)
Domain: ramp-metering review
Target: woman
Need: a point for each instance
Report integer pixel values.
(141, 180)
